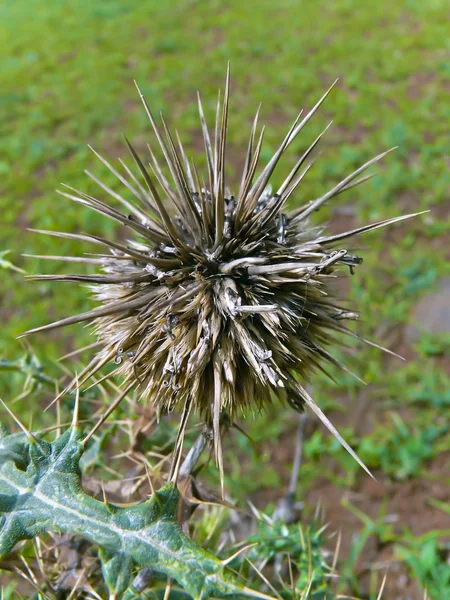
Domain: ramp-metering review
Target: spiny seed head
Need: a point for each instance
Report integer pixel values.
(221, 301)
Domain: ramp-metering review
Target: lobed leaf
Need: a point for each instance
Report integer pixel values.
(41, 491)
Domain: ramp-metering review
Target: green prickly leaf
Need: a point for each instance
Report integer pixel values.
(41, 491)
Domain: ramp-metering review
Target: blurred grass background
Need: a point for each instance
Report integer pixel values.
(66, 79)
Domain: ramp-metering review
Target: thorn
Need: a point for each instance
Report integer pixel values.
(254, 510)
(28, 433)
(331, 428)
(76, 405)
(291, 577)
(168, 588)
(147, 471)
(226, 561)
(305, 594)
(105, 499)
(31, 575)
(178, 451)
(383, 583)
(58, 414)
(57, 399)
(336, 552)
(106, 414)
(249, 592)
(266, 581)
(255, 445)
(260, 516)
(216, 422)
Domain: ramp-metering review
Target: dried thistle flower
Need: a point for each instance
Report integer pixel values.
(228, 301)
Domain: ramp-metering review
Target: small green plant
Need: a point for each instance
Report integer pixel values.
(399, 451)
(295, 545)
(427, 558)
(402, 451)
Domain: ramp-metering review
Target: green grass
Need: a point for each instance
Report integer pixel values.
(67, 80)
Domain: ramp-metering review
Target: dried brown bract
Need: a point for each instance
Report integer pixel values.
(221, 301)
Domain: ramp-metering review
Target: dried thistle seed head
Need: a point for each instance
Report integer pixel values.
(221, 301)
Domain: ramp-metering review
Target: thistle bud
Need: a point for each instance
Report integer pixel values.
(223, 299)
